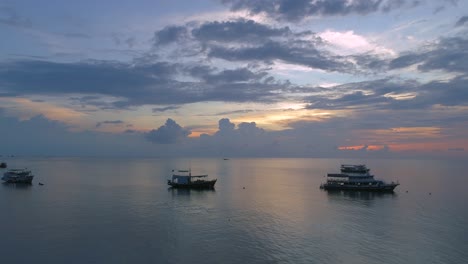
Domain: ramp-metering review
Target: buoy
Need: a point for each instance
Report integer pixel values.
(243, 188)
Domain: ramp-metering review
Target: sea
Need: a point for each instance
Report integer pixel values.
(262, 210)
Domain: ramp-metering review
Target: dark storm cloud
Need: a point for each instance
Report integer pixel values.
(294, 10)
(169, 133)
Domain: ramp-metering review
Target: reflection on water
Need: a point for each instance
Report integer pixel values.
(187, 191)
(22, 186)
(361, 195)
(122, 211)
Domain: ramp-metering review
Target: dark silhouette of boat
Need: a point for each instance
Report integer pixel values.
(185, 179)
(18, 176)
(3, 165)
(356, 177)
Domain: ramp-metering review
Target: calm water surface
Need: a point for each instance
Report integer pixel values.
(121, 211)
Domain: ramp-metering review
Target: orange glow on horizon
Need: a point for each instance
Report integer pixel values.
(48, 110)
(415, 146)
(362, 147)
(199, 132)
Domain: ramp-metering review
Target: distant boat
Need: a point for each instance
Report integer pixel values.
(3, 165)
(185, 179)
(18, 176)
(225, 159)
(356, 177)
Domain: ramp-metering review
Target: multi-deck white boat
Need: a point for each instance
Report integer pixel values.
(18, 176)
(356, 177)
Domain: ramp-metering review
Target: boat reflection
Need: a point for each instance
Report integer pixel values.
(22, 186)
(359, 195)
(188, 191)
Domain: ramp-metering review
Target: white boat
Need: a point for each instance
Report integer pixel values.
(358, 178)
(18, 176)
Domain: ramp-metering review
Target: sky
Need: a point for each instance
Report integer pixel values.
(234, 78)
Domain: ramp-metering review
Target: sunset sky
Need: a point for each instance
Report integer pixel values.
(285, 78)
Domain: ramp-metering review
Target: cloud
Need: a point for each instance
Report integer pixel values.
(348, 43)
(93, 77)
(112, 122)
(242, 40)
(169, 35)
(449, 54)
(9, 16)
(295, 10)
(54, 138)
(225, 127)
(134, 85)
(286, 52)
(240, 30)
(461, 21)
(244, 111)
(393, 94)
(456, 149)
(226, 76)
(75, 35)
(120, 39)
(304, 139)
(169, 133)
(164, 109)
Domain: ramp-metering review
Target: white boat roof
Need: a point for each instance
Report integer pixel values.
(187, 173)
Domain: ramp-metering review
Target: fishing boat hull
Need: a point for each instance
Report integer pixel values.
(193, 185)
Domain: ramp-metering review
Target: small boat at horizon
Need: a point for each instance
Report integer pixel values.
(185, 179)
(18, 176)
(356, 177)
(3, 165)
